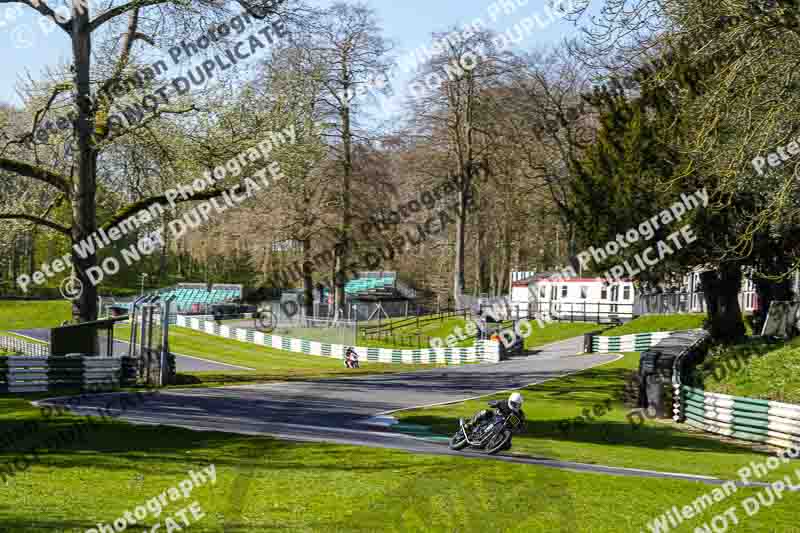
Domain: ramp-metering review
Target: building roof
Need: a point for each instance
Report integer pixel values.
(528, 281)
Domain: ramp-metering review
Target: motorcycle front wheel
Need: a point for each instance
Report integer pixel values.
(458, 441)
(498, 442)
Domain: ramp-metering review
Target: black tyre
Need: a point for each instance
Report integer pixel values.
(458, 441)
(498, 442)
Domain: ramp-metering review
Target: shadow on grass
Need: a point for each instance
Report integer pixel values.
(651, 435)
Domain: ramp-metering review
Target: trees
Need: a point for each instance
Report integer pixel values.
(344, 49)
(455, 87)
(299, 202)
(92, 95)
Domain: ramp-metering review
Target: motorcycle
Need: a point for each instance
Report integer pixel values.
(492, 435)
(351, 359)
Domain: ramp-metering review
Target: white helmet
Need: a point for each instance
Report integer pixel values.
(515, 401)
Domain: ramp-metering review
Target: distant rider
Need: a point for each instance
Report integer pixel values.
(351, 358)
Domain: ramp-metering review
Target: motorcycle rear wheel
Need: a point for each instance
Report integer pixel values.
(498, 442)
(458, 441)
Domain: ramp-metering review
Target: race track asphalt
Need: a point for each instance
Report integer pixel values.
(343, 410)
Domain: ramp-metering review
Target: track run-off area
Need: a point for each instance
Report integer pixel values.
(355, 410)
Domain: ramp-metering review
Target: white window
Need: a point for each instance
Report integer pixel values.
(626, 292)
(604, 293)
(563, 291)
(553, 293)
(584, 292)
(542, 291)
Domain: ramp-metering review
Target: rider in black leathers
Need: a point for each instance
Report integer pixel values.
(506, 408)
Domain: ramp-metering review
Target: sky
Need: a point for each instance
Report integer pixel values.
(28, 48)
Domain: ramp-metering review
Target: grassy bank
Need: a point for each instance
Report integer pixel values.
(553, 431)
(755, 370)
(268, 364)
(264, 484)
(557, 331)
(652, 323)
(405, 336)
(27, 315)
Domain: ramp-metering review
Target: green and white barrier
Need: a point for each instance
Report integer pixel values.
(637, 342)
(763, 421)
(482, 351)
(42, 374)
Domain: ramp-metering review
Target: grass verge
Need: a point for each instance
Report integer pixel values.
(756, 370)
(652, 323)
(264, 484)
(405, 337)
(557, 331)
(553, 406)
(269, 364)
(36, 314)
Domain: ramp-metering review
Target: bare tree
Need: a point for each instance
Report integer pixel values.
(452, 90)
(76, 179)
(345, 47)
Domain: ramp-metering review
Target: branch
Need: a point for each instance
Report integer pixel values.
(141, 205)
(36, 220)
(44, 10)
(260, 12)
(119, 10)
(142, 37)
(58, 89)
(38, 173)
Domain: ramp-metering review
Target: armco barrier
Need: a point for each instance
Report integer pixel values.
(637, 342)
(761, 421)
(20, 346)
(482, 351)
(42, 374)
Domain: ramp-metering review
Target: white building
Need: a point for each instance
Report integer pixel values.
(552, 297)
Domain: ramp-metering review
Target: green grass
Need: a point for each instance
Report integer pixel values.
(269, 485)
(269, 364)
(771, 372)
(326, 335)
(610, 439)
(552, 332)
(651, 323)
(38, 314)
(557, 331)
(434, 329)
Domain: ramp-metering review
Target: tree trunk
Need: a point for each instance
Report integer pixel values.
(32, 252)
(308, 287)
(461, 223)
(721, 290)
(163, 267)
(84, 190)
(14, 262)
(347, 167)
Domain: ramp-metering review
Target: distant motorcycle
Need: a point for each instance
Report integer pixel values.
(351, 359)
(491, 436)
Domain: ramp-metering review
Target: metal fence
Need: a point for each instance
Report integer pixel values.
(20, 346)
(149, 340)
(333, 331)
(669, 303)
(600, 313)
